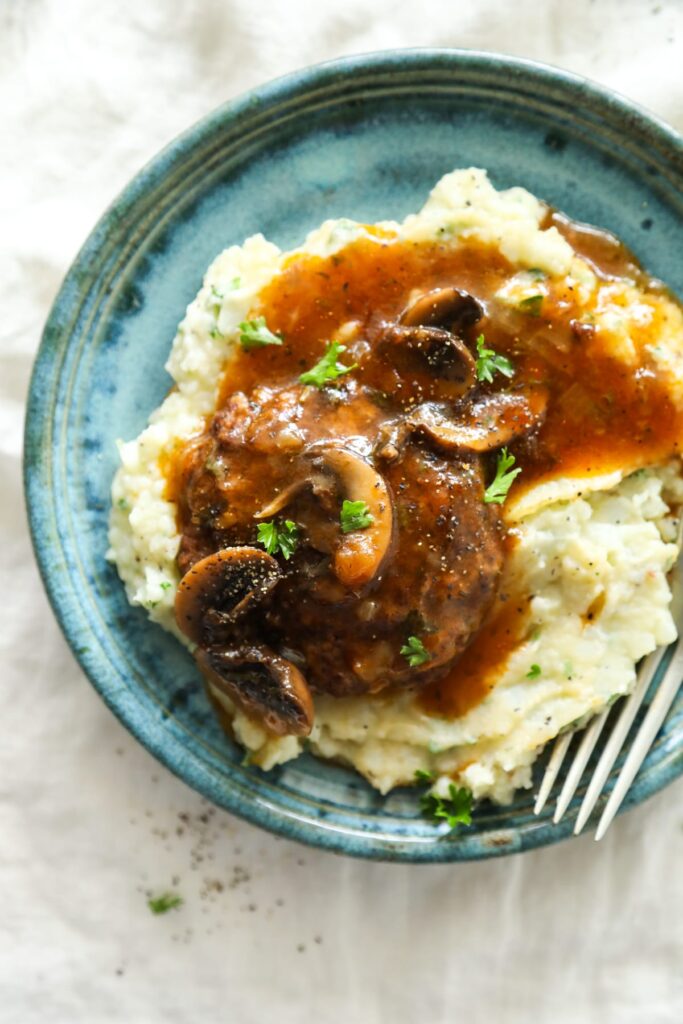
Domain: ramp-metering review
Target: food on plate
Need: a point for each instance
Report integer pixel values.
(413, 499)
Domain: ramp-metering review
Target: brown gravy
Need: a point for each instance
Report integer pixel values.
(474, 674)
(601, 414)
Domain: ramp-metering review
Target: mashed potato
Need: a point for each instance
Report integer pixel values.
(605, 542)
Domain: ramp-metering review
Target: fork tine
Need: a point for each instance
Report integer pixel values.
(554, 764)
(588, 741)
(617, 737)
(661, 702)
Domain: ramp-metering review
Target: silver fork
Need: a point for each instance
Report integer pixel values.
(661, 702)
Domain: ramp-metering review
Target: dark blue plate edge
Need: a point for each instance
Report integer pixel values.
(165, 746)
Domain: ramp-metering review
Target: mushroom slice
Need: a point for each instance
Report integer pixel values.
(281, 500)
(360, 554)
(266, 686)
(490, 422)
(220, 588)
(445, 353)
(443, 307)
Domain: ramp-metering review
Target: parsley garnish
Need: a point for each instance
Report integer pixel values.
(534, 672)
(215, 331)
(162, 904)
(414, 652)
(488, 361)
(355, 515)
(327, 368)
(532, 305)
(456, 808)
(423, 776)
(497, 490)
(282, 538)
(255, 334)
(165, 585)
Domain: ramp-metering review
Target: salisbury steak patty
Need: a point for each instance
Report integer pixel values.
(438, 584)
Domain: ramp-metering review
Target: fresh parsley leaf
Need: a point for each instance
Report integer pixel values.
(255, 334)
(497, 490)
(422, 776)
(289, 538)
(328, 367)
(162, 904)
(532, 305)
(455, 809)
(282, 538)
(355, 515)
(488, 361)
(414, 652)
(534, 672)
(267, 534)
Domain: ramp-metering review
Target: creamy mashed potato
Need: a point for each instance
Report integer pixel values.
(604, 541)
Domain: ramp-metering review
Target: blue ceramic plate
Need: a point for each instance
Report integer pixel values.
(367, 138)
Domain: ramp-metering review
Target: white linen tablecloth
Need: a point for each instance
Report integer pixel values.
(88, 821)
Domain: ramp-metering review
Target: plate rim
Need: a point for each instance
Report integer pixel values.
(165, 745)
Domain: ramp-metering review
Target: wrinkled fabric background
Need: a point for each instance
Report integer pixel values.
(88, 821)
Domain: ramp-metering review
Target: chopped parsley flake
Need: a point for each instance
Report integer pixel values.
(414, 652)
(355, 515)
(532, 305)
(455, 809)
(282, 538)
(162, 904)
(534, 672)
(215, 332)
(497, 490)
(422, 776)
(256, 334)
(328, 367)
(166, 585)
(489, 361)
